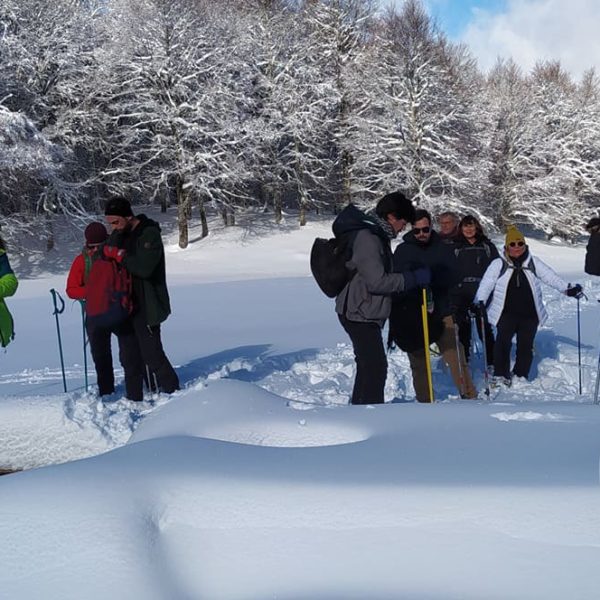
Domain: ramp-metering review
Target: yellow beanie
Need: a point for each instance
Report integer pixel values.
(513, 235)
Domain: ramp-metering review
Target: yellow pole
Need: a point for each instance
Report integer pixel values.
(426, 340)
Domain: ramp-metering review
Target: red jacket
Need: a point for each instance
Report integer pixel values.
(78, 276)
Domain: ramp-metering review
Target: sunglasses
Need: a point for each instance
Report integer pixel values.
(421, 229)
(519, 244)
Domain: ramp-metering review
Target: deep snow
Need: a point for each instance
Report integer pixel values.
(257, 480)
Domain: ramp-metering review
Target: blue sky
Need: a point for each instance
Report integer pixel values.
(528, 31)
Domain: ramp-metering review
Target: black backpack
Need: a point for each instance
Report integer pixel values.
(328, 260)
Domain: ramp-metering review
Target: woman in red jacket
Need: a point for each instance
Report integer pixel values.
(99, 337)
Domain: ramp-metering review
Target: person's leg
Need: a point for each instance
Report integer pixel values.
(489, 344)
(455, 359)
(154, 355)
(505, 330)
(99, 340)
(526, 330)
(418, 368)
(371, 361)
(463, 320)
(131, 361)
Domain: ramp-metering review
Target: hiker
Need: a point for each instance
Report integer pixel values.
(424, 247)
(517, 307)
(99, 337)
(474, 252)
(8, 287)
(364, 303)
(592, 251)
(135, 242)
(448, 222)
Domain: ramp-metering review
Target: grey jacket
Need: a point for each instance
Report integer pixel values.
(367, 296)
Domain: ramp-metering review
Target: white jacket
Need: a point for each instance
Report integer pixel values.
(494, 281)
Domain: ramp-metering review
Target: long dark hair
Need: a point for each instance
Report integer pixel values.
(2, 244)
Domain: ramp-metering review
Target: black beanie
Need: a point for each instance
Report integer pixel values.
(118, 207)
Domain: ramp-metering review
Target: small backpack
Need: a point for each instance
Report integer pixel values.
(328, 260)
(108, 294)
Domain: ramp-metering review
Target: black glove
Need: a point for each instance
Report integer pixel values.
(477, 309)
(418, 278)
(575, 291)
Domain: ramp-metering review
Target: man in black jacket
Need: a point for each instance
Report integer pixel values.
(592, 254)
(136, 243)
(423, 247)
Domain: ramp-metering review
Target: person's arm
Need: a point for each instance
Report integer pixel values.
(148, 253)
(488, 281)
(8, 280)
(549, 276)
(75, 279)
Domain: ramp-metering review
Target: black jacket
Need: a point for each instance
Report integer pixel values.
(472, 261)
(592, 255)
(406, 326)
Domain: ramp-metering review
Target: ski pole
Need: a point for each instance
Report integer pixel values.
(579, 342)
(486, 376)
(85, 341)
(597, 386)
(426, 341)
(59, 311)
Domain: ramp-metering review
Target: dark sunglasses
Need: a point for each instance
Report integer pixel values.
(519, 244)
(421, 229)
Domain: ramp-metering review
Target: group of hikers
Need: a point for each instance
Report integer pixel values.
(433, 287)
(461, 277)
(134, 246)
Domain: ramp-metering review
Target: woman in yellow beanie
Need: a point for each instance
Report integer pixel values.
(517, 306)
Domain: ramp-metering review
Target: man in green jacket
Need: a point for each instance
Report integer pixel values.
(8, 286)
(136, 243)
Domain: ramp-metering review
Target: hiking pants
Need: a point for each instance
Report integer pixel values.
(154, 355)
(453, 357)
(525, 328)
(131, 360)
(100, 348)
(371, 361)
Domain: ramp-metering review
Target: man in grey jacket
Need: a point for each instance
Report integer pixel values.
(365, 302)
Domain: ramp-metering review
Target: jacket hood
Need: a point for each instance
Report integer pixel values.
(353, 219)
(144, 222)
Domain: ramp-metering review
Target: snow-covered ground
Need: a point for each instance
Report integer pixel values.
(257, 480)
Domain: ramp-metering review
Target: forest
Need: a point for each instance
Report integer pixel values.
(220, 106)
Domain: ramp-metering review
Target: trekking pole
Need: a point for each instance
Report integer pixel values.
(579, 342)
(486, 375)
(85, 341)
(461, 373)
(426, 341)
(597, 386)
(59, 311)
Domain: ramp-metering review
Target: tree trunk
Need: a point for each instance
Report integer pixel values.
(203, 219)
(277, 207)
(182, 214)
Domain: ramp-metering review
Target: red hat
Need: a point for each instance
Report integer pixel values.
(95, 233)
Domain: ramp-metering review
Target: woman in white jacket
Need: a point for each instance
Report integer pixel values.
(517, 306)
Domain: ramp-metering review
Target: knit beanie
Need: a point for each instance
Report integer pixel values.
(118, 207)
(95, 233)
(513, 235)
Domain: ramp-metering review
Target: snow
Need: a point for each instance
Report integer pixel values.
(258, 480)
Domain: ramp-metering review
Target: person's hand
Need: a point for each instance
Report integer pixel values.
(477, 309)
(114, 253)
(575, 291)
(417, 278)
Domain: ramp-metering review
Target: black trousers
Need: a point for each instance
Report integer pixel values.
(153, 354)
(99, 340)
(525, 329)
(371, 361)
(465, 332)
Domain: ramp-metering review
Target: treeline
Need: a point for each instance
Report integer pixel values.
(229, 104)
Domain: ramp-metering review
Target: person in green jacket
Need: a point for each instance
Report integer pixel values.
(8, 286)
(136, 243)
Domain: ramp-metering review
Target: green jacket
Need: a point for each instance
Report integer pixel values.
(8, 286)
(145, 260)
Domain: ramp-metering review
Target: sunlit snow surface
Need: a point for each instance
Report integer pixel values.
(257, 480)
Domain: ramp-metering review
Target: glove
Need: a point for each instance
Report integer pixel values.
(418, 278)
(477, 309)
(575, 291)
(114, 253)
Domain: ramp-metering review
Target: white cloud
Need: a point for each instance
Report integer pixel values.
(532, 30)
